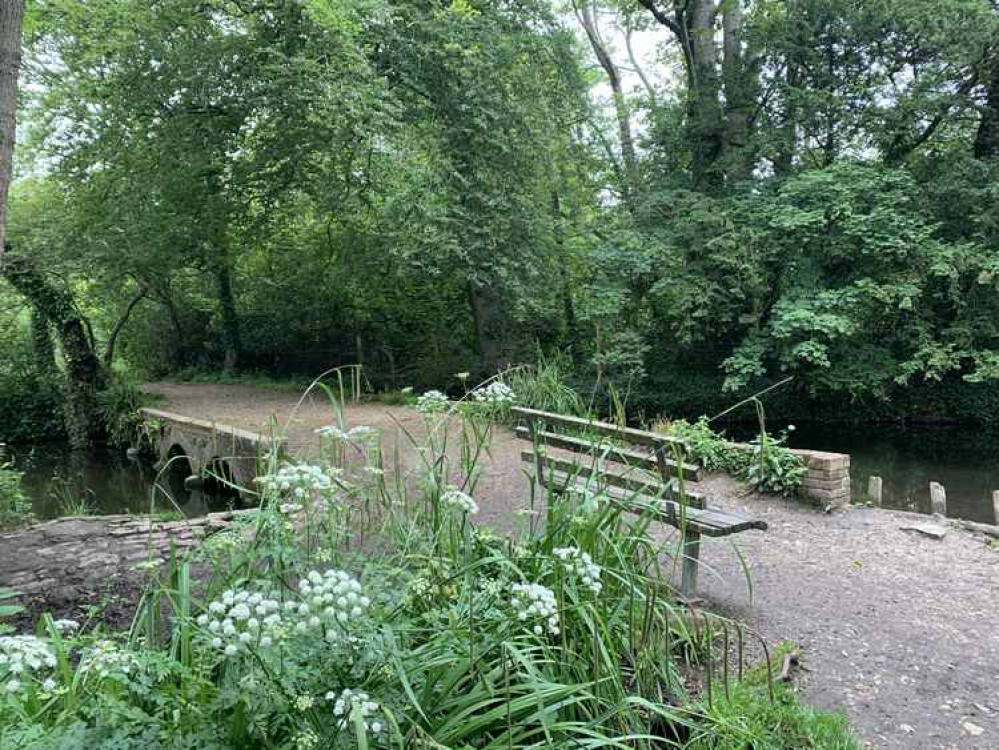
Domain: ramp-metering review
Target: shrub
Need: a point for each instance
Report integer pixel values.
(764, 463)
(15, 508)
(119, 406)
(31, 408)
(547, 386)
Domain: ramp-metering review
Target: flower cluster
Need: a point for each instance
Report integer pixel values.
(241, 619)
(353, 436)
(299, 482)
(533, 603)
(494, 394)
(580, 564)
(66, 626)
(459, 500)
(22, 657)
(432, 401)
(330, 597)
(345, 703)
(108, 661)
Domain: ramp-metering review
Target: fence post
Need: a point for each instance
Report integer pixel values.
(938, 499)
(995, 505)
(874, 489)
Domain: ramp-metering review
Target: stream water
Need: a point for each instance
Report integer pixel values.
(59, 481)
(965, 460)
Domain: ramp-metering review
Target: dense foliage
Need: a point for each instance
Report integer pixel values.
(361, 607)
(774, 188)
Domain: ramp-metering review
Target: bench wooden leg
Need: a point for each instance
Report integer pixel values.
(691, 559)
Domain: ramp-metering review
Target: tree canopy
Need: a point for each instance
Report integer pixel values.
(803, 187)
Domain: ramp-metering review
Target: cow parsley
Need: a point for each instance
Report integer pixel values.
(333, 597)
(345, 703)
(534, 604)
(462, 502)
(23, 657)
(241, 619)
(580, 564)
(353, 436)
(432, 401)
(107, 661)
(494, 394)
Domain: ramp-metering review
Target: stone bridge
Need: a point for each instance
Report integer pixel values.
(207, 451)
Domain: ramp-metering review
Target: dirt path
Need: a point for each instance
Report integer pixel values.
(899, 630)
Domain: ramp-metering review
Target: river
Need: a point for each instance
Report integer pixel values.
(61, 481)
(965, 460)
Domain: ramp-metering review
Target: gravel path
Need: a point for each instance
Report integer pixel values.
(899, 630)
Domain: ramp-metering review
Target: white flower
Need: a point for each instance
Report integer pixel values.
(494, 394)
(23, 657)
(348, 701)
(66, 626)
(304, 702)
(581, 565)
(432, 401)
(353, 436)
(455, 498)
(298, 481)
(534, 602)
(336, 596)
(107, 661)
(230, 623)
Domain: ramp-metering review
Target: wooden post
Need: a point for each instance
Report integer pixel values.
(995, 505)
(691, 546)
(874, 489)
(938, 499)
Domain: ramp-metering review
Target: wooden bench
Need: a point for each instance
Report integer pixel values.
(641, 471)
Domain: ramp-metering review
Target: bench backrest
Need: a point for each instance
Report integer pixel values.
(635, 460)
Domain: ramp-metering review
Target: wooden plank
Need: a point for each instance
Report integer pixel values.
(628, 457)
(689, 567)
(627, 434)
(648, 485)
(709, 522)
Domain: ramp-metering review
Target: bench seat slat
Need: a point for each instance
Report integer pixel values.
(635, 483)
(709, 522)
(602, 428)
(691, 472)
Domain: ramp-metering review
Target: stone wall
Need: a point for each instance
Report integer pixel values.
(61, 560)
(827, 482)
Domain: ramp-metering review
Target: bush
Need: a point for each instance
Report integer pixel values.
(764, 463)
(31, 408)
(547, 386)
(119, 407)
(15, 508)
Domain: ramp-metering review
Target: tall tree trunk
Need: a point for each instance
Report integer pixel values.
(41, 343)
(693, 24)
(231, 344)
(85, 376)
(120, 324)
(987, 138)
(11, 16)
(739, 94)
(704, 111)
(484, 304)
(586, 13)
(568, 306)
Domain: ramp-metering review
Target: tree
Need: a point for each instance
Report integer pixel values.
(11, 17)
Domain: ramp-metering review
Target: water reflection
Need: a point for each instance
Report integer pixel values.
(964, 459)
(61, 481)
